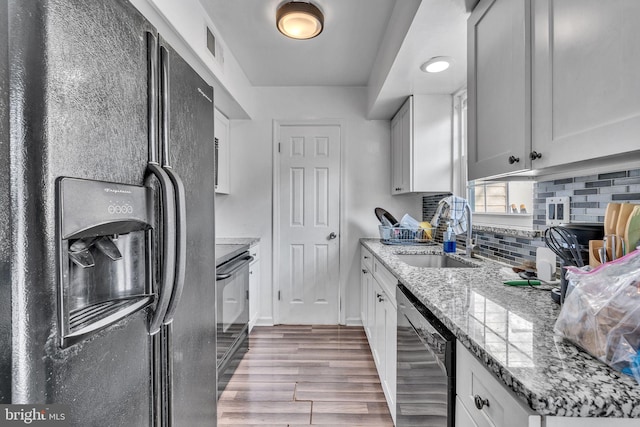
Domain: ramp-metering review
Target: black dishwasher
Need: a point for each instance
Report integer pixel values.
(425, 366)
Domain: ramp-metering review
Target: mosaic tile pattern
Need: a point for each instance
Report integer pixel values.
(589, 195)
(510, 330)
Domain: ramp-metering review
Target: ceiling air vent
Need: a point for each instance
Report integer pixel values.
(214, 47)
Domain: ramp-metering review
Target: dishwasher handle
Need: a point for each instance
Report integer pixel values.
(232, 267)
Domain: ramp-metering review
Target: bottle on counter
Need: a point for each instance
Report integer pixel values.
(449, 239)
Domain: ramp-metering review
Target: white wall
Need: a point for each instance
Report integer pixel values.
(183, 25)
(247, 211)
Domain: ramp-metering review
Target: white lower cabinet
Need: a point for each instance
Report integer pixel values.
(483, 400)
(254, 285)
(390, 356)
(366, 290)
(379, 319)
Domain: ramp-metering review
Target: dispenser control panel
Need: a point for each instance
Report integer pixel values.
(86, 207)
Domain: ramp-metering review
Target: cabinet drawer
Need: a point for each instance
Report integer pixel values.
(254, 251)
(387, 281)
(366, 259)
(503, 409)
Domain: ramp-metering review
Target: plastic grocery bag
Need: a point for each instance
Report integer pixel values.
(601, 312)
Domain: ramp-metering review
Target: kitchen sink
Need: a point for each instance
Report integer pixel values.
(433, 261)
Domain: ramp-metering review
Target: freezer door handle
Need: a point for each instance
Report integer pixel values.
(168, 260)
(181, 244)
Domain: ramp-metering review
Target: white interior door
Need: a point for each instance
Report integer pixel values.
(309, 216)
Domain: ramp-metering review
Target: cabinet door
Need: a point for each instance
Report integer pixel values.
(365, 299)
(586, 85)
(221, 134)
(463, 419)
(501, 409)
(499, 88)
(254, 292)
(371, 310)
(401, 128)
(378, 347)
(389, 381)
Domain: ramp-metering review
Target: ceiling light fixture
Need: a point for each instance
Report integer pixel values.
(436, 64)
(299, 20)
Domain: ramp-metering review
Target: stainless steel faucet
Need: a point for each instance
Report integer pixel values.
(469, 243)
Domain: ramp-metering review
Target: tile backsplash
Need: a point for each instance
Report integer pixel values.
(589, 197)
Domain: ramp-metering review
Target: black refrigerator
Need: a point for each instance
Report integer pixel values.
(107, 264)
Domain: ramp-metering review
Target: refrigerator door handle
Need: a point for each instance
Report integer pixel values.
(181, 244)
(168, 258)
(180, 200)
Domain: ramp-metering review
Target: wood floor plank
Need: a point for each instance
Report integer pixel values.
(321, 396)
(305, 375)
(352, 419)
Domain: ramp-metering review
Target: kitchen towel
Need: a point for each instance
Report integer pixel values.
(452, 208)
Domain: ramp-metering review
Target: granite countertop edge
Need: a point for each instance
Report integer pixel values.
(237, 240)
(559, 402)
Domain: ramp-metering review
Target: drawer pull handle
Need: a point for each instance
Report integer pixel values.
(480, 402)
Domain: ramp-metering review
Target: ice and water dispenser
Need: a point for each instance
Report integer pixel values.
(104, 254)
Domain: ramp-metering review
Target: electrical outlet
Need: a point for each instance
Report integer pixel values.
(557, 210)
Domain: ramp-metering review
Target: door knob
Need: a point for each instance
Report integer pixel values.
(513, 159)
(332, 235)
(534, 155)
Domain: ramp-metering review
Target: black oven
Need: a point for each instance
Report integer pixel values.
(232, 315)
(425, 366)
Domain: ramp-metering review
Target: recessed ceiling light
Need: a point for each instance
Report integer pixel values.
(436, 64)
(299, 20)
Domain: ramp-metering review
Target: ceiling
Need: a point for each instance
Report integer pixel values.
(344, 54)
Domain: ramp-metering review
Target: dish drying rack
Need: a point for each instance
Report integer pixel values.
(403, 236)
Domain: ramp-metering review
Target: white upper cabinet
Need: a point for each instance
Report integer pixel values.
(586, 79)
(221, 134)
(421, 145)
(552, 83)
(498, 88)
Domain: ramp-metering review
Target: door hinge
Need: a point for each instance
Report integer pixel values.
(278, 295)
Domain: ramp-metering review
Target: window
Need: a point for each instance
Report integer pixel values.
(488, 197)
(501, 197)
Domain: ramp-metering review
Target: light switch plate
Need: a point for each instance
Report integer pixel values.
(557, 210)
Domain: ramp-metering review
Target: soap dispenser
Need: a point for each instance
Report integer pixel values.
(449, 244)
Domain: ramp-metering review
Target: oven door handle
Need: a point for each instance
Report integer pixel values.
(428, 347)
(234, 266)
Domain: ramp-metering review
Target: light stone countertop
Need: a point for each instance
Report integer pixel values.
(510, 330)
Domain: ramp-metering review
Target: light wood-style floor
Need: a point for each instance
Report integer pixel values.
(305, 375)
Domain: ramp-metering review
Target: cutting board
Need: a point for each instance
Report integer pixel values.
(623, 217)
(611, 218)
(632, 231)
(594, 255)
